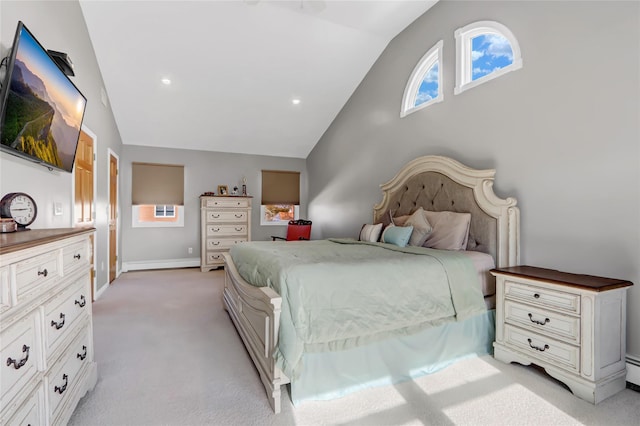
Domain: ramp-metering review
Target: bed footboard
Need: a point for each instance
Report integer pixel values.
(255, 312)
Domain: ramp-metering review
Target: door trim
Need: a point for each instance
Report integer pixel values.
(111, 153)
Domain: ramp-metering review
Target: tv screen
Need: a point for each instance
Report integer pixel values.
(42, 110)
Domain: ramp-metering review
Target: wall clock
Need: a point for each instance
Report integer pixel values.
(20, 207)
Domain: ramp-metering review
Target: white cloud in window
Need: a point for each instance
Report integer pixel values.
(476, 54)
(498, 46)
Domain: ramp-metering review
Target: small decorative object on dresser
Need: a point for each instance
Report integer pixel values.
(574, 326)
(225, 221)
(223, 190)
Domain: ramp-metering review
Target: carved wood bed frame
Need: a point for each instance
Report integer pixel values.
(432, 182)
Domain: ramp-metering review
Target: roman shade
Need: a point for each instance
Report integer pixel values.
(280, 187)
(157, 184)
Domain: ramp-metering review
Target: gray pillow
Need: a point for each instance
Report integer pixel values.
(450, 230)
(421, 227)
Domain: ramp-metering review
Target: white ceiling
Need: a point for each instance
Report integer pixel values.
(235, 67)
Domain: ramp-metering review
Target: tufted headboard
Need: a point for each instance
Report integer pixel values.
(442, 184)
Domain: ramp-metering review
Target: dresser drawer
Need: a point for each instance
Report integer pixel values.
(225, 202)
(547, 298)
(61, 312)
(19, 354)
(218, 216)
(35, 271)
(226, 230)
(215, 258)
(544, 348)
(543, 321)
(75, 256)
(64, 374)
(223, 243)
(31, 412)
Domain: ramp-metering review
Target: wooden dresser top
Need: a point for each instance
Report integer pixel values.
(588, 282)
(20, 240)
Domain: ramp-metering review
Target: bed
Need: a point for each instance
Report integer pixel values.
(383, 352)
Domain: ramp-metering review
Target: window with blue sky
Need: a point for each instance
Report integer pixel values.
(484, 50)
(424, 86)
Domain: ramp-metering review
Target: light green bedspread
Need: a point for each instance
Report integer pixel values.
(338, 294)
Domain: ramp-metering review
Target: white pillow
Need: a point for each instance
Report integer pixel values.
(421, 227)
(370, 232)
(450, 230)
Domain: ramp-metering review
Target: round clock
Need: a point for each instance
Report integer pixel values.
(19, 207)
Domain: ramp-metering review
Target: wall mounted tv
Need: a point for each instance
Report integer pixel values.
(41, 109)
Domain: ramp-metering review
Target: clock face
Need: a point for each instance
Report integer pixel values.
(20, 207)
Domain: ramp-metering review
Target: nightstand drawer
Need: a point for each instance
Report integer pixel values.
(543, 321)
(540, 296)
(544, 348)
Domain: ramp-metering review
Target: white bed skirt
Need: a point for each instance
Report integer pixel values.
(331, 375)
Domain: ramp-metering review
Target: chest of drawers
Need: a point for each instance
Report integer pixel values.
(225, 221)
(46, 327)
(574, 326)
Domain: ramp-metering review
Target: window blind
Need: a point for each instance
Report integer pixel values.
(280, 187)
(157, 184)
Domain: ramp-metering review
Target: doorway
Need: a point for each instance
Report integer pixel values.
(84, 181)
(113, 216)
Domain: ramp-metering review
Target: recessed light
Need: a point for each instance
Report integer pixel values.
(166, 81)
(295, 101)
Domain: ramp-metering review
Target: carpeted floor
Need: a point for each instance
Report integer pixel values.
(168, 354)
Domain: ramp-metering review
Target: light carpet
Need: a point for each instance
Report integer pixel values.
(168, 354)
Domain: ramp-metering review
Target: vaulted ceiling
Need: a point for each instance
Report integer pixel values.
(236, 67)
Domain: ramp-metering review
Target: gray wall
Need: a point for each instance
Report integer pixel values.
(203, 171)
(563, 133)
(59, 25)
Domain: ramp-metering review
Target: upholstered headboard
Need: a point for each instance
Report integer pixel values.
(442, 184)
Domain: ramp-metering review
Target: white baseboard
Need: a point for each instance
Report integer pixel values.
(633, 370)
(98, 294)
(160, 264)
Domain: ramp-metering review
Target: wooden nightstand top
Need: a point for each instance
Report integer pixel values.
(588, 282)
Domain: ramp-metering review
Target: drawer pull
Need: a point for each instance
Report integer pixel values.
(58, 325)
(216, 243)
(238, 216)
(538, 348)
(77, 256)
(23, 361)
(61, 389)
(45, 272)
(84, 355)
(546, 320)
(536, 295)
(238, 229)
(215, 229)
(216, 216)
(82, 301)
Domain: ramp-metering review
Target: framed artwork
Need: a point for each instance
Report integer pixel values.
(223, 190)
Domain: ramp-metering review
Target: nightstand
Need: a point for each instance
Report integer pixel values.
(574, 326)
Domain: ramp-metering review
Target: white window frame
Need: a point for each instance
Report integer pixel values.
(296, 216)
(164, 210)
(135, 223)
(464, 63)
(433, 56)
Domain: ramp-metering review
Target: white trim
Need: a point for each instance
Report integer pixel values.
(433, 56)
(98, 293)
(633, 370)
(464, 63)
(111, 152)
(161, 264)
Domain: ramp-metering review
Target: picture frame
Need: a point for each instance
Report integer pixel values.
(223, 190)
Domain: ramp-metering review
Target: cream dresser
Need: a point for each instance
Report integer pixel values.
(46, 328)
(225, 221)
(574, 326)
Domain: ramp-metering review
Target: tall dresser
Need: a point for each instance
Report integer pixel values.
(225, 221)
(46, 326)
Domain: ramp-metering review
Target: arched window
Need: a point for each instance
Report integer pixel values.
(425, 84)
(485, 50)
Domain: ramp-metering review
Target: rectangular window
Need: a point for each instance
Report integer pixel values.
(165, 211)
(157, 216)
(280, 197)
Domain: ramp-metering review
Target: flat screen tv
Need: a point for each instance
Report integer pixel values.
(41, 109)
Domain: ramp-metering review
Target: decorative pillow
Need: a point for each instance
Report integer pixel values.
(421, 227)
(398, 235)
(370, 232)
(450, 230)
